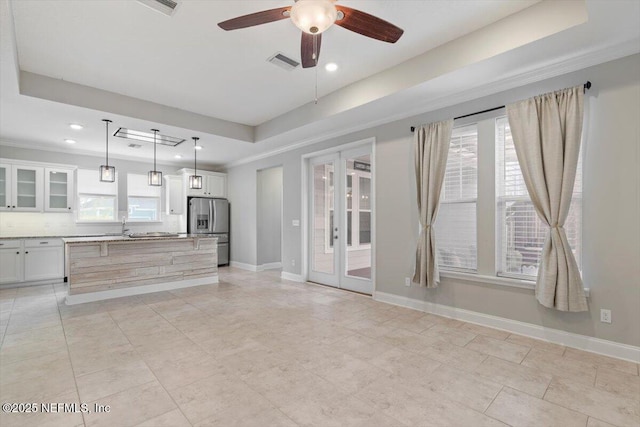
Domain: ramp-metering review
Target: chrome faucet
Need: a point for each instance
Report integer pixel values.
(124, 224)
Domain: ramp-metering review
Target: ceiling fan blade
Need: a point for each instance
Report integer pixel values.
(310, 49)
(368, 25)
(255, 19)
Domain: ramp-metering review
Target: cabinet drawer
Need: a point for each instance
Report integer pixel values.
(39, 243)
(10, 244)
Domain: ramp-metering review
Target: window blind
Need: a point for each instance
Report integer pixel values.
(520, 233)
(455, 226)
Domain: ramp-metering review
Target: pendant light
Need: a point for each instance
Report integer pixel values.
(195, 180)
(107, 173)
(155, 177)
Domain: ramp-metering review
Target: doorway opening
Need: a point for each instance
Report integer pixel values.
(269, 218)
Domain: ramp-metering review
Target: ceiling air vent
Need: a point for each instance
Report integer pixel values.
(283, 61)
(166, 7)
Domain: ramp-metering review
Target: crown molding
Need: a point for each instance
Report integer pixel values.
(541, 72)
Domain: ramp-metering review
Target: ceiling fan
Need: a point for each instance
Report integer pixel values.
(315, 16)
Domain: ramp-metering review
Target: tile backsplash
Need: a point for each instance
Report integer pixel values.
(25, 224)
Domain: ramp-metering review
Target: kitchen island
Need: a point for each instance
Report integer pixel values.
(106, 267)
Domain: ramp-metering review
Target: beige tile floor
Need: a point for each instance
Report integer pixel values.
(258, 351)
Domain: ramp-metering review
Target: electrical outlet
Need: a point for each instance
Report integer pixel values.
(293, 263)
(407, 281)
(605, 316)
(295, 222)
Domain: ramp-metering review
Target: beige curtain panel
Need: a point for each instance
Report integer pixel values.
(431, 150)
(546, 133)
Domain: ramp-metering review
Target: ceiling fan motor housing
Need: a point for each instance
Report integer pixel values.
(313, 16)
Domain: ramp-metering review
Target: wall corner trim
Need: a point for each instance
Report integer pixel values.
(556, 336)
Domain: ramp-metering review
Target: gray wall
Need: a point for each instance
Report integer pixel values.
(269, 218)
(611, 209)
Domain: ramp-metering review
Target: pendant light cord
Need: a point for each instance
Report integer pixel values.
(155, 132)
(107, 121)
(195, 156)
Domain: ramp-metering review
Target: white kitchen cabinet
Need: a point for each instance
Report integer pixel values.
(31, 260)
(20, 187)
(11, 261)
(174, 197)
(58, 190)
(217, 185)
(214, 184)
(43, 259)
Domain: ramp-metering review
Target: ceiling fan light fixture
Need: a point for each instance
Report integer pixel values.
(313, 16)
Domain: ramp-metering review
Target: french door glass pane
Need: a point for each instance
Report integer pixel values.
(358, 212)
(323, 219)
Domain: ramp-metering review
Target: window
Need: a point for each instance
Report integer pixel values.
(96, 207)
(143, 200)
(97, 201)
(520, 233)
(455, 225)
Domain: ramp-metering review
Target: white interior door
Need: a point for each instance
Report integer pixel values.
(340, 220)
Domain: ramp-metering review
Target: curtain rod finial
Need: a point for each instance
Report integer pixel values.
(413, 128)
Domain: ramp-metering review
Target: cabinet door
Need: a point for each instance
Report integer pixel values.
(11, 265)
(26, 188)
(5, 187)
(43, 263)
(175, 198)
(217, 186)
(58, 190)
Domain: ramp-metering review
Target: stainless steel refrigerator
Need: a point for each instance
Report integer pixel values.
(210, 216)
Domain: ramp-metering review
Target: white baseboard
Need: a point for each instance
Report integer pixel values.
(292, 277)
(243, 266)
(269, 266)
(138, 290)
(582, 342)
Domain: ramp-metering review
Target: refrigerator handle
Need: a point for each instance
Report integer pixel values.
(212, 216)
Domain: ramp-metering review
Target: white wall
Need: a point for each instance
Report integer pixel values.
(48, 224)
(611, 236)
(269, 217)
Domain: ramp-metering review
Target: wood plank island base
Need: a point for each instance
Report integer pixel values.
(107, 267)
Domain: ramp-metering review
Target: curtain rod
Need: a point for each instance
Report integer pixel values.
(586, 86)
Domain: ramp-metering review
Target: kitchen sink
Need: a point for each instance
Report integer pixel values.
(153, 234)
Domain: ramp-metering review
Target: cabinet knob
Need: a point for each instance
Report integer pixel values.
(18, 253)
(26, 252)
(69, 208)
(13, 207)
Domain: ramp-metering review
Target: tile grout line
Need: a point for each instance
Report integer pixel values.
(66, 341)
(150, 370)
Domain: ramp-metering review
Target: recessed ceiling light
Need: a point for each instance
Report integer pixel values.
(70, 141)
(331, 66)
(178, 156)
(76, 126)
(198, 147)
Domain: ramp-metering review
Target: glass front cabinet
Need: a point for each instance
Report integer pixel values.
(20, 188)
(58, 190)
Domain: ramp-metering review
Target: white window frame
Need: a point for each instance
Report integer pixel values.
(461, 201)
(88, 184)
(137, 187)
(488, 263)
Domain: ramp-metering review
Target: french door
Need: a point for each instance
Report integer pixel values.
(340, 219)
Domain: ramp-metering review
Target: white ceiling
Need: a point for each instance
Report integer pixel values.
(201, 75)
